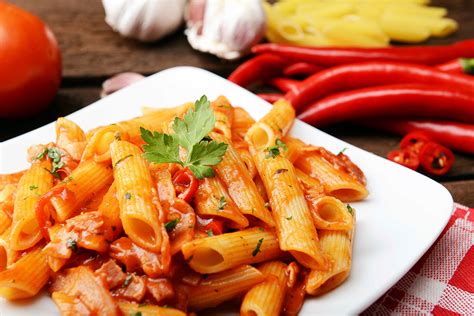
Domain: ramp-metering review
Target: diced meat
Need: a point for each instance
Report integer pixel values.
(133, 289)
(111, 274)
(161, 289)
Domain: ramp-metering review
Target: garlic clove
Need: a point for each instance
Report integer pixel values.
(146, 20)
(226, 28)
(118, 82)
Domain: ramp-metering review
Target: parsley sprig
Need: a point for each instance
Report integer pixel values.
(190, 133)
(55, 154)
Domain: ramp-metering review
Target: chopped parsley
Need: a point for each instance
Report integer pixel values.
(279, 171)
(122, 159)
(350, 209)
(128, 196)
(274, 151)
(33, 187)
(136, 314)
(257, 248)
(342, 151)
(171, 224)
(222, 203)
(210, 233)
(54, 154)
(71, 244)
(289, 218)
(190, 133)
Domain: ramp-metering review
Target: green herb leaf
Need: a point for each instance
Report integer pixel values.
(274, 151)
(54, 154)
(342, 151)
(33, 187)
(71, 244)
(289, 218)
(171, 224)
(136, 314)
(222, 203)
(122, 159)
(350, 209)
(128, 279)
(190, 133)
(257, 248)
(210, 233)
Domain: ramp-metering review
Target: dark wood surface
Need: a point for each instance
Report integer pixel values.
(92, 52)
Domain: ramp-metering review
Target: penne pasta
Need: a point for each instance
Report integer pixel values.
(226, 251)
(70, 137)
(337, 244)
(266, 298)
(139, 215)
(241, 122)
(212, 199)
(34, 183)
(220, 287)
(110, 209)
(26, 277)
(331, 214)
(242, 189)
(148, 310)
(223, 113)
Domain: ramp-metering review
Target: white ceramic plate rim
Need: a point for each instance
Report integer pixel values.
(396, 225)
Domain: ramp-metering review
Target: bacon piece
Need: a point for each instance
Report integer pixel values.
(111, 274)
(161, 289)
(133, 289)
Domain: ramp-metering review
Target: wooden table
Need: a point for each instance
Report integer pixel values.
(92, 52)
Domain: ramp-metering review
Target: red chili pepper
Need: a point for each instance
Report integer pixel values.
(454, 135)
(428, 55)
(216, 225)
(301, 69)
(436, 159)
(414, 141)
(405, 158)
(285, 84)
(259, 68)
(390, 101)
(271, 97)
(459, 65)
(361, 75)
(185, 184)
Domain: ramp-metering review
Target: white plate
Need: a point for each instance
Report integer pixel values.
(402, 217)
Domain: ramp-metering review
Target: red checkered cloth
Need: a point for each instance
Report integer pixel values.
(442, 282)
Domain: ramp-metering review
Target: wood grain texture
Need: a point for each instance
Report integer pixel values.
(92, 52)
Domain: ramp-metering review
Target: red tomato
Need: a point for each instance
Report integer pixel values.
(436, 159)
(216, 226)
(30, 63)
(405, 158)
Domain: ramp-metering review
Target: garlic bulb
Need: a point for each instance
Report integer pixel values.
(146, 20)
(118, 82)
(226, 28)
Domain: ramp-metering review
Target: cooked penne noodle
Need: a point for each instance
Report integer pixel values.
(242, 189)
(34, 183)
(70, 137)
(222, 252)
(220, 287)
(5, 221)
(9, 256)
(337, 244)
(11, 178)
(280, 118)
(247, 160)
(241, 122)
(110, 209)
(148, 310)
(81, 186)
(336, 183)
(212, 199)
(26, 277)
(266, 298)
(295, 229)
(7, 198)
(331, 214)
(223, 113)
(139, 215)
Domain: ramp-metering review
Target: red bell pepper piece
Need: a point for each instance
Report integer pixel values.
(216, 226)
(185, 184)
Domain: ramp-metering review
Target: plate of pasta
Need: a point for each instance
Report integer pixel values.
(184, 193)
